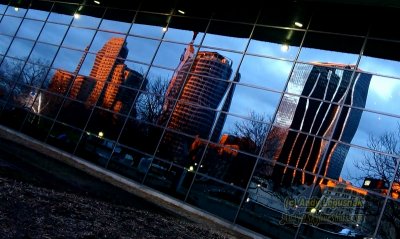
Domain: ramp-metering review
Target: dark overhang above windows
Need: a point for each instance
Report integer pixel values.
(337, 25)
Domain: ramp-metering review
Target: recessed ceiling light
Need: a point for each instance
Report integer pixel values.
(181, 12)
(298, 24)
(97, 2)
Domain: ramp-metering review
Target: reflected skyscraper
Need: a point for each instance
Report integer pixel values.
(200, 83)
(102, 86)
(301, 123)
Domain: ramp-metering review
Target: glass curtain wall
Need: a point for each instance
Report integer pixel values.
(278, 118)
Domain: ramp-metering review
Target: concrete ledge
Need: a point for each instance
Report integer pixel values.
(165, 201)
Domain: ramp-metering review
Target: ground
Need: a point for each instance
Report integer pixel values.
(43, 198)
(28, 211)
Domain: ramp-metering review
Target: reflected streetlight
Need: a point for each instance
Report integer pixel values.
(101, 134)
(16, 9)
(77, 15)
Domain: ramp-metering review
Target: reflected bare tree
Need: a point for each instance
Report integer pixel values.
(150, 104)
(18, 77)
(254, 129)
(382, 167)
(34, 73)
(31, 73)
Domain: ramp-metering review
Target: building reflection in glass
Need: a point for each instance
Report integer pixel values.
(102, 86)
(194, 94)
(312, 114)
(86, 102)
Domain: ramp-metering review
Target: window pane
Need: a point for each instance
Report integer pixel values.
(67, 59)
(146, 139)
(122, 24)
(381, 57)
(388, 228)
(39, 14)
(4, 44)
(64, 137)
(141, 49)
(383, 126)
(181, 30)
(128, 162)
(62, 13)
(264, 72)
(53, 33)
(9, 25)
(319, 47)
(275, 42)
(43, 54)
(360, 165)
(358, 219)
(218, 198)
(17, 11)
(149, 25)
(78, 38)
(89, 17)
(216, 37)
(20, 48)
(30, 29)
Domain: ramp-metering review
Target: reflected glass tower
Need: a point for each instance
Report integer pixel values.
(200, 83)
(311, 119)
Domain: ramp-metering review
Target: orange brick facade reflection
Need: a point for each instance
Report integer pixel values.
(103, 85)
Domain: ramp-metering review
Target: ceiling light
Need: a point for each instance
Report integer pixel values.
(181, 12)
(298, 24)
(285, 47)
(97, 2)
(77, 15)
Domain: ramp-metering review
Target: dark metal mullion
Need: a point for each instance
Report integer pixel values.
(46, 75)
(216, 120)
(270, 125)
(74, 76)
(378, 223)
(14, 82)
(176, 100)
(106, 82)
(335, 125)
(130, 88)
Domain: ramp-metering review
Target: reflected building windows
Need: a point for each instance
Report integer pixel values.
(199, 86)
(103, 85)
(318, 119)
(303, 123)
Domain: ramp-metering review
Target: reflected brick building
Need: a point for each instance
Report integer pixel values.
(223, 160)
(102, 86)
(315, 119)
(199, 84)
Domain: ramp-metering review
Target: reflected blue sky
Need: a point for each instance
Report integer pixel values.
(256, 71)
